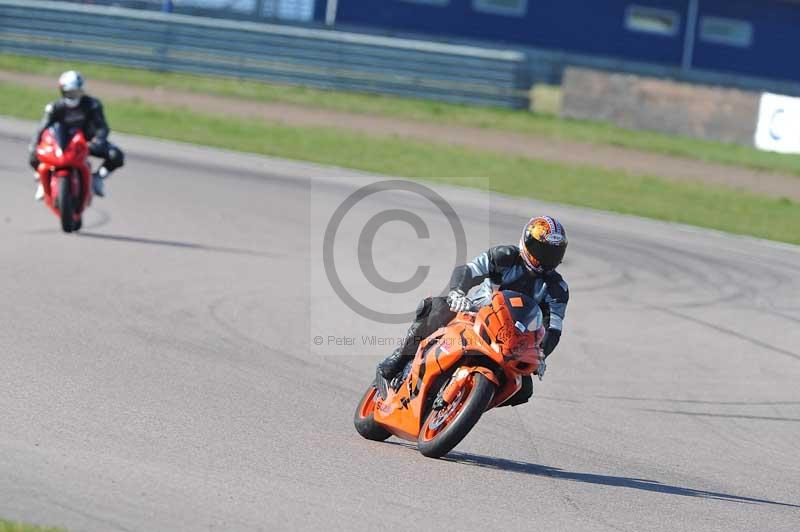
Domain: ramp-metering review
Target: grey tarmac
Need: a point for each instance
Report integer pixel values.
(157, 371)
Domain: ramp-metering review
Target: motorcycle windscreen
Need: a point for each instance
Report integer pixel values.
(62, 134)
(524, 310)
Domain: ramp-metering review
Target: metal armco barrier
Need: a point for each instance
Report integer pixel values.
(288, 54)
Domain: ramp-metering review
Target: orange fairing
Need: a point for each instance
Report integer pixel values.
(519, 347)
(462, 374)
(488, 343)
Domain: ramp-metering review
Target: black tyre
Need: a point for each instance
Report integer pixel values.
(77, 225)
(443, 429)
(65, 205)
(364, 420)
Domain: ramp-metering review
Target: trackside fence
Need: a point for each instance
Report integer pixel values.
(287, 54)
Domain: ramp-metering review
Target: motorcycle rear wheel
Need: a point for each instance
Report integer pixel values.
(443, 429)
(364, 419)
(66, 206)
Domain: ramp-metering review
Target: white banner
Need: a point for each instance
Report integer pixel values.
(778, 127)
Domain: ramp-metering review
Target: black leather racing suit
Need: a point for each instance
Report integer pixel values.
(89, 117)
(500, 266)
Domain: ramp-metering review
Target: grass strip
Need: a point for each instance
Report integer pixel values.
(538, 124)
(9, 526)
(709, 206)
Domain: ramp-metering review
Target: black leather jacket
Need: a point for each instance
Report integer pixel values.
(502, 266)
(88, 116)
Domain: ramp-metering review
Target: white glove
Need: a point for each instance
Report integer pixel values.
(458, 301)
(542, 367)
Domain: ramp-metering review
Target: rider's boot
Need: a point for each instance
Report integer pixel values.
(388, 369)
(39, 195)
(523, 395)
(98, 186)
(392, 366)
(431, 314)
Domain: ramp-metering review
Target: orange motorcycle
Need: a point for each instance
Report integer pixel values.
(473, 364)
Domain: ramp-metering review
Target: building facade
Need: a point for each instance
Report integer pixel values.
(756, 38)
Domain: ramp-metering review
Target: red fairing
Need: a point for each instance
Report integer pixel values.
(70, 163)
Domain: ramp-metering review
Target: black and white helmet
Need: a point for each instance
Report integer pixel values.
(71, 85)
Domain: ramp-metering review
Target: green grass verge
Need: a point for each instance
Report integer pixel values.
(539, 124)
(703, 205)
(8, 526)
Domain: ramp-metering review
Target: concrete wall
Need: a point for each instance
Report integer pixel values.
(635, 102)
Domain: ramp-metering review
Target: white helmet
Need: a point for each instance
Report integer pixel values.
(71, 85)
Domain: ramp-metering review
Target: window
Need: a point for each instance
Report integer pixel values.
(238, 6)
(514, 8)
(440, 3)
(649, 20)
(297, 10)
(726, 31)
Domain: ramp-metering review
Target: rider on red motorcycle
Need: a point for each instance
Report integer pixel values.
(528, 269)
(78, 110)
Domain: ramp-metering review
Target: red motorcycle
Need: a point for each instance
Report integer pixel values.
(65, 174)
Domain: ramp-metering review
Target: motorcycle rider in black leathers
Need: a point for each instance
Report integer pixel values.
(528, 268)
(78, 110)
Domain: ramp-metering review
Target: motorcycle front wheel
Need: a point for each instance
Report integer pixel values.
(364, 419)
(66, 206)
(443, 429)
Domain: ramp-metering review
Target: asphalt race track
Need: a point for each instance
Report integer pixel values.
(157, 371)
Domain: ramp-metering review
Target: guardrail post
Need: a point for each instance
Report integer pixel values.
(522, 85)
(162, 50)
(331, 8)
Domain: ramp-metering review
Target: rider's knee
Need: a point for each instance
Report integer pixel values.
(423, 308)
(523, 395)
(440, 309)
(116, 158)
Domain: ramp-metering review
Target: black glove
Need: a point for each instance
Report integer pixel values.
(550, 341)
(32, 160)
(98, 145)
